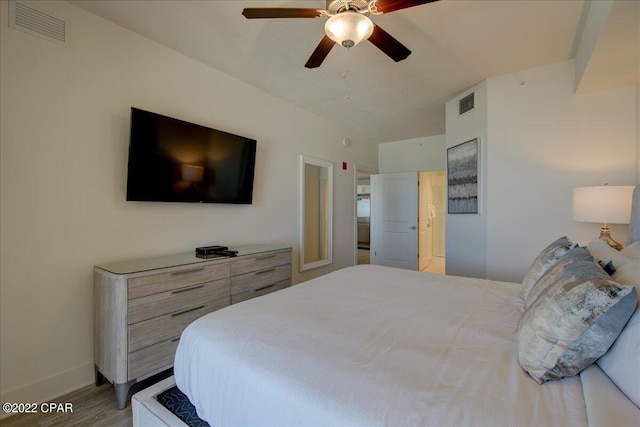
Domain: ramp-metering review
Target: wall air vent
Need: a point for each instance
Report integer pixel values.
(466, 103)
(37, 22)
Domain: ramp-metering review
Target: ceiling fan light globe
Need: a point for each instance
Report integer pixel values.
(348, 28)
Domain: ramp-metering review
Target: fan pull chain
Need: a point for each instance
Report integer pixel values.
(345, 76)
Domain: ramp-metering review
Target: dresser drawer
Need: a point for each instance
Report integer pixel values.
(267, 289)
(153, 358)
(260, 278)
(156, 305)
(259, 262)
(156, 283)
(152, 331)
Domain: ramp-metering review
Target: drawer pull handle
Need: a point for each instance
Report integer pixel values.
(264, 257)
(193, 270)
(265, 271)
(175, 339)
(263, 288)
(189, 310)
(179, 291)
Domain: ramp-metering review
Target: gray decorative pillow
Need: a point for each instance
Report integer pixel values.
(573, 322)
(551, 276)
(545, 259)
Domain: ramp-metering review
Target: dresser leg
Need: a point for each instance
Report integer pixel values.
(122, 393)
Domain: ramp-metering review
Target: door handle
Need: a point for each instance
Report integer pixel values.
(413, 227)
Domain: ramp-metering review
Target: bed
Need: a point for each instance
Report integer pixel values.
(371, 345)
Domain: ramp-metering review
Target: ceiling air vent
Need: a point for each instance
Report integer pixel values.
(466, 103)
(37, 22)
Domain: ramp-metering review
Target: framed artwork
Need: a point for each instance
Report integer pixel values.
(462, 177)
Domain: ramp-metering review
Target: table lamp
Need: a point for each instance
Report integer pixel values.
(607, 204)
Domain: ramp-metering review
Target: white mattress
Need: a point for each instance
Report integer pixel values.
(371, 345)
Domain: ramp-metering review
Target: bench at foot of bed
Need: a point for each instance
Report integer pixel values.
(147, 411)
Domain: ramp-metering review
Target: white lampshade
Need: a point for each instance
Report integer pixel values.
(608, 204)
(348, 28)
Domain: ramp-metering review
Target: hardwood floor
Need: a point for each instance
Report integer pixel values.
(92, 406)
(436, 265)
(363, 256)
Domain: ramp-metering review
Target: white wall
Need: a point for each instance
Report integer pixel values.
(543, 141)
(540, 140)
(466, 234)
(412, 155)
(63, 141)
(598, 12)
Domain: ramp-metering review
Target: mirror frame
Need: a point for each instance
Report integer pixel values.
(307, 160)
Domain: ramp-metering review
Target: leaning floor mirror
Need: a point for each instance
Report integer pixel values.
(315, 213)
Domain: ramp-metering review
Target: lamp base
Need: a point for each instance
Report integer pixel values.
(605, 234)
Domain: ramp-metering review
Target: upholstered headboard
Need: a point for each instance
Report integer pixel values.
(634, 226)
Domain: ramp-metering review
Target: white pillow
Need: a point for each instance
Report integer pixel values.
(632, 251)
(622, 362)
(601, 251)
(629, 274)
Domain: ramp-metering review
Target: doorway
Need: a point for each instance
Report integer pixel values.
(408, 220)
(363, 216)
(431, 221)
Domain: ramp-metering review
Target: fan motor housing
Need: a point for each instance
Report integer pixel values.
(337, 6)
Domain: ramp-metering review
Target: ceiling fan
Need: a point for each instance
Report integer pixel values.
(348, 25)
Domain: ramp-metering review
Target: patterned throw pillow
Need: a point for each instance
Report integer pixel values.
(573, 323)
(551, 276)
(545, 259)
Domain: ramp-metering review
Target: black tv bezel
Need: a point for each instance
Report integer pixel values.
(250, 175)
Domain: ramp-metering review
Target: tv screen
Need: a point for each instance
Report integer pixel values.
(171, 160)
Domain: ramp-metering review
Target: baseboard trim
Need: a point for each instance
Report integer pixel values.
(48, 389)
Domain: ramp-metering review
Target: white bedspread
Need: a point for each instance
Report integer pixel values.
(371, 345)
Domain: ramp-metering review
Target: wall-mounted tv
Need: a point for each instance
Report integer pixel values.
(171, 160)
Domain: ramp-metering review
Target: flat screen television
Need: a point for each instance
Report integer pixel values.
(171, 160)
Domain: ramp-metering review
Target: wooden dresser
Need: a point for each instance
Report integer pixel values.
(142, 306)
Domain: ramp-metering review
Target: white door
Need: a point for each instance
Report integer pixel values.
(394, 220)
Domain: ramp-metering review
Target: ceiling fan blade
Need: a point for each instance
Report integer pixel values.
(389, 45)
(320, 53)
(386, 6)
(280, 12)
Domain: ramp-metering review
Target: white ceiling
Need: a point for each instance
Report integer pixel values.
(455, 44)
